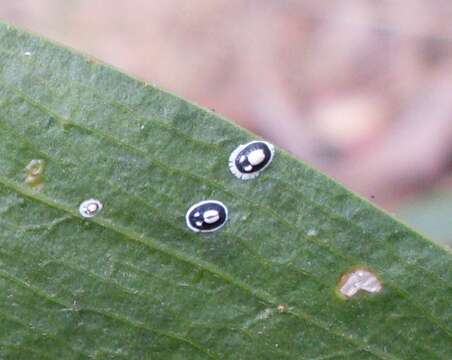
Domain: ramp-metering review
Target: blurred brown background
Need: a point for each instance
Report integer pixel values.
(361, 89)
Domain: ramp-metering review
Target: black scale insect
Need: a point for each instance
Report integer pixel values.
(206, 216)
(247, 161)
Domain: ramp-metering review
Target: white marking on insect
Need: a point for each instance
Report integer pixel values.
(90, 208)
(211, 216)
(359, 280)
(256, 157)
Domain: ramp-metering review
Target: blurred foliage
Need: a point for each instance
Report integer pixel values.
(431, 215)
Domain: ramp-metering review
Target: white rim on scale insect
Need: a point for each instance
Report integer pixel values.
(211, 216)
(90, 208)
(258, 159)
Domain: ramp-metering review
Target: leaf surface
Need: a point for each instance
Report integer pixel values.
(135, 283)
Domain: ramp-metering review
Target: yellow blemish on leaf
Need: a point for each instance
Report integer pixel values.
(35, 173)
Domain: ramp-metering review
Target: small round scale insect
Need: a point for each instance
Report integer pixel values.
(247, 161)
(90, 208)
(207, 216)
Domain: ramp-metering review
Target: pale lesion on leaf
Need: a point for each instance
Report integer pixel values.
(359, 279)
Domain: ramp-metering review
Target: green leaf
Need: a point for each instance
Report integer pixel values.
(430, 213)
(134, 282)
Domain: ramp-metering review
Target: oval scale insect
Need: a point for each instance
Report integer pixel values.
(247, 161)
(207, 216)
(90, 208)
